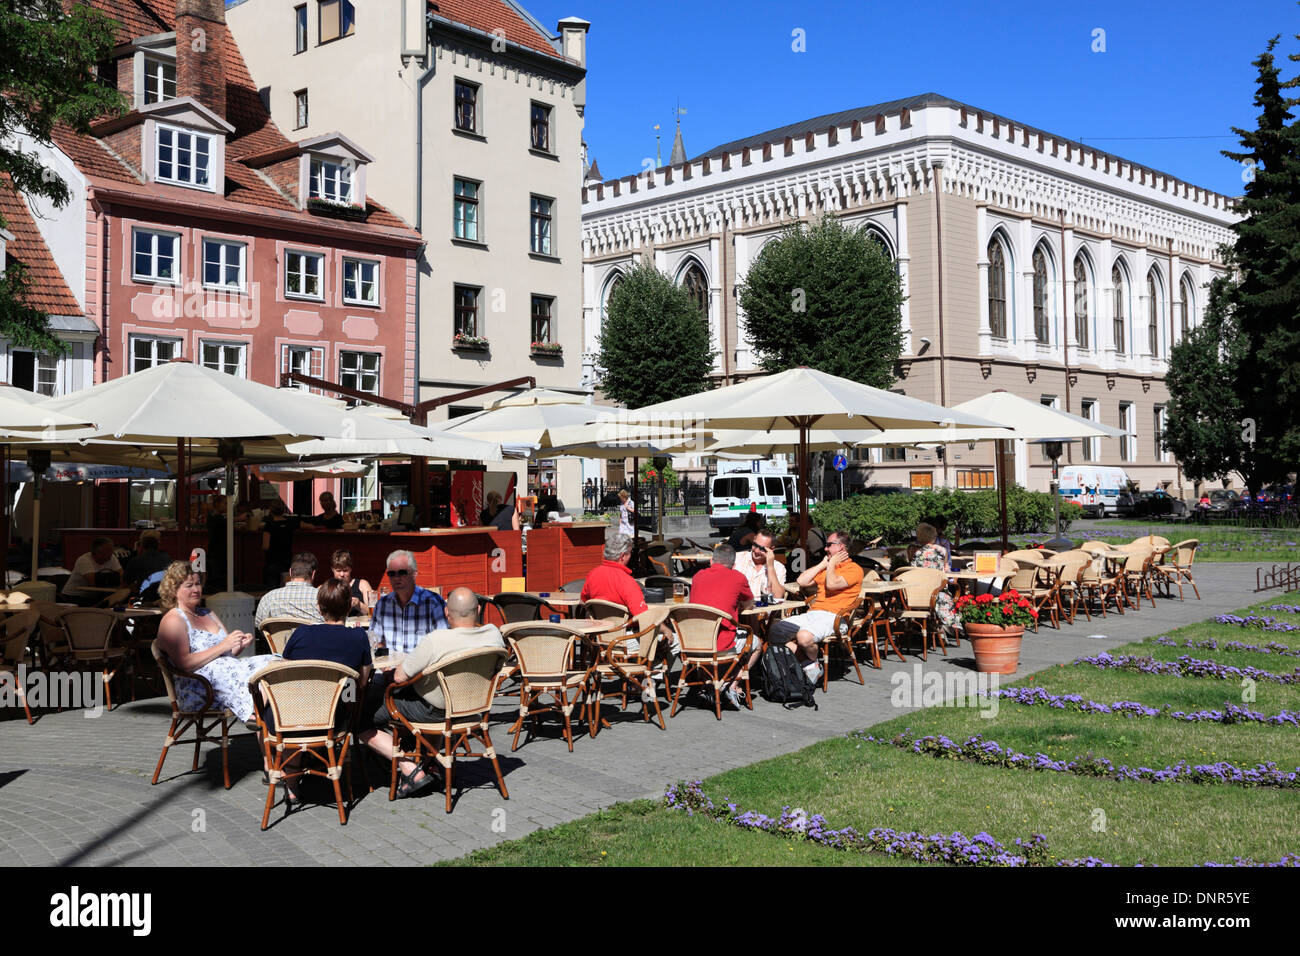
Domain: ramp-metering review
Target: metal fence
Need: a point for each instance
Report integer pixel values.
(685, 498)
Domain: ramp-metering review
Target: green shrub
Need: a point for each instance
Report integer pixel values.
(970, 514)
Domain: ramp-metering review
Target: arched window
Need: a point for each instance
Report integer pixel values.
(1042, 318)
(1153, 315)
(997, 290)
(697, 287)
(1185, 308)
(881, 242)
(1121, 293)
(1080, 303)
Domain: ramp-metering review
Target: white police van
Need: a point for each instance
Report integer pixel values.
(741, 486)
(1095, 487)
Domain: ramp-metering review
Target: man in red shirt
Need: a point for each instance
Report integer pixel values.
(720, 585)
(611, 580)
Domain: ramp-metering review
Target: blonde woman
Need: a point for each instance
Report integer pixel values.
(195, 641)
(626, 514)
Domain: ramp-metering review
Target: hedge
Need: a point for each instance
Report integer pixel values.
(970, 514)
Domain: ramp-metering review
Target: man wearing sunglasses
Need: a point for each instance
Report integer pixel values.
(838, 582)
(400, 619)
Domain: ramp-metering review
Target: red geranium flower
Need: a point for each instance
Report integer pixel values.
(984, 599)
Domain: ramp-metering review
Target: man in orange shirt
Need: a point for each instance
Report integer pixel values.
(839, 582)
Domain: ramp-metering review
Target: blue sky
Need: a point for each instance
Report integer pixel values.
(1169, 72)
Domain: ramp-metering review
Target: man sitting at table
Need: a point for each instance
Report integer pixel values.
(760, 567)
(144, 572)
(423, 703)
(721, 586)
(95, 568)
(838, 582)
(400, 619)
(612, 580)
(298, 596)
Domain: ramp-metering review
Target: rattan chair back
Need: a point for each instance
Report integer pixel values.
(89, 632)
(696, 627)
(468, 680)
(303, 695)
(1096, 547)
(542, 656)
(605, 611)
(278, 630)
(1025, 579)
(1182, 554)
(921, 586)
(1026, 555)
(18, 631)
(516, 607)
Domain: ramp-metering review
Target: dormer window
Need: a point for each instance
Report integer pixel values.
(331, 181)
(184, 157)
(159, 79)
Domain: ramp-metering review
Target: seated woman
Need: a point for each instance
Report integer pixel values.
(928, 554)
(358, 588)
(195, 640)
(333, 640)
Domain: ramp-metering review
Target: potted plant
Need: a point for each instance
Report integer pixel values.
(547, 348)
(995, 626)
(470, 343)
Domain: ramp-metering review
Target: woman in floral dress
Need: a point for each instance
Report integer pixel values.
(930, 555)
(195, 641)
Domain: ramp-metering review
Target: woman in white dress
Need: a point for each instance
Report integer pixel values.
(195, 641)
(626, 514)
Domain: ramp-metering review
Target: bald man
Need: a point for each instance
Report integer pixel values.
(464, 633)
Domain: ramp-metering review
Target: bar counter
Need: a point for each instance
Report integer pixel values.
(561, 552)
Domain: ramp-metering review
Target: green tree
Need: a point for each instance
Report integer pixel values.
(1204, 429)
(827, 297)
(654, 345)
(1265, 293)
(48, 76)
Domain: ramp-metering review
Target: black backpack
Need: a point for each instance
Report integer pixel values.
(784, 681)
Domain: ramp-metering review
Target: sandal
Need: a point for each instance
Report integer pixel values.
(410, 786)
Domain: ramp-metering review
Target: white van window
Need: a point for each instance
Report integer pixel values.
(773, 488)
(731, 487)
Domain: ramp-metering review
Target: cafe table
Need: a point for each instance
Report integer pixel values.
(762, 617)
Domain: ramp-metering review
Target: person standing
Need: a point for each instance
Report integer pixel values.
(626, 514)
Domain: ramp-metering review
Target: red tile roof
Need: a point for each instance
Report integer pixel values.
(255, 132)
(491, 15)
(46, 288)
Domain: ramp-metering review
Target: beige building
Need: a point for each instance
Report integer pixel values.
(1030, 263)
(473, 114)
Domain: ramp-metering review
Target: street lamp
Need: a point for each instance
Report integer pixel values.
(1054, 448)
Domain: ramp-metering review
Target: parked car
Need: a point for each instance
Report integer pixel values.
(1158, 502)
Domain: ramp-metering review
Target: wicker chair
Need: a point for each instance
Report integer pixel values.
(638, 669)
(204, 721)
(615, 614)
(303, 698)
(276, 631)
(921, 587)
(842, 638)
(1027, 556)
(696, 627)
(575, 586)
(18, 631)
(1137, 575)
(90, 636)
(468, 682)
(1026, 583)
(874, 615)
(1096, 582)
(1096, 547)
(1073, 565)
(544, 656)
(1177, 567)
(55, 651)
(517, 607)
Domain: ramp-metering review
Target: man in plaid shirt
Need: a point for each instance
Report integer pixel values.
(400, 619)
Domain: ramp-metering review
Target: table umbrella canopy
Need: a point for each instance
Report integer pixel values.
(21, 395)
(1023, 418)
(528, 418)
(296, 471)
(765, 444)
(33, 420)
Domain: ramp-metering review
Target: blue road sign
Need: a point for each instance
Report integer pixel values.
(840, 463)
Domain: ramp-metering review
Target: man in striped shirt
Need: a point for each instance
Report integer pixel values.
(400, 619)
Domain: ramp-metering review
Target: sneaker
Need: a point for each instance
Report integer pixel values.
(733, 697)
(814, 672)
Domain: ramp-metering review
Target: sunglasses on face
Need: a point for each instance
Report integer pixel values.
(398, 573)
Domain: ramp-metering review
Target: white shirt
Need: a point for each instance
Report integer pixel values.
(625, 511)
(756, 574)
(84, 571)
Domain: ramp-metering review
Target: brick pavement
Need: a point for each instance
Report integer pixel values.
(75, 791)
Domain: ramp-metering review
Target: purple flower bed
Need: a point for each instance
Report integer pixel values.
(1272, 647)
(1186, 666)
(1256, 622)
(991, 753)
(1289, 608)
(953, 848)
(1231, 713)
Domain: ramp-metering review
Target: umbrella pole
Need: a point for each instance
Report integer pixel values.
(232, 499)
(636, 502)
(803, 424)
(182, 500)
(4, 515)
(36, 526)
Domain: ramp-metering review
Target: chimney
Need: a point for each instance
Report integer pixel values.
(200, 70)
(573, 33)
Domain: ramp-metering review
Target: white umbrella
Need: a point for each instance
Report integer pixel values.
(33, 421)
(528, 418)
(803, 399)
(296, 471)
(21, 395)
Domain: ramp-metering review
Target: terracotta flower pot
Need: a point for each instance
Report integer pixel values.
(997, 648)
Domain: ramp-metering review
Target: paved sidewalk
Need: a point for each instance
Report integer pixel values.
(75, 791)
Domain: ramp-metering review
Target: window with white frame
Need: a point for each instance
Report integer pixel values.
(300, 28)
(361, 281)
(1119, 330)
(223, 264)
(355, 494)
(360, 370)
(1042, 309)
(331, 180)
(228, 357)
(1153, 316)
(541, 225)
(303, 360)
(465, 210)
(184, 157)
(1185, 309)
(302, 274)
(159, 79)
(1080, 303)
(541, 127)
(153, 255)
(1090, 411)
(148, 351)
(894, 453)
(1128, 424)
(35, 372)
(300, 108)
(466, 114)
(1161, 422)
(997, 290)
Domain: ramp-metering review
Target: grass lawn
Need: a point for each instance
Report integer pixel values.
(865, 785)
